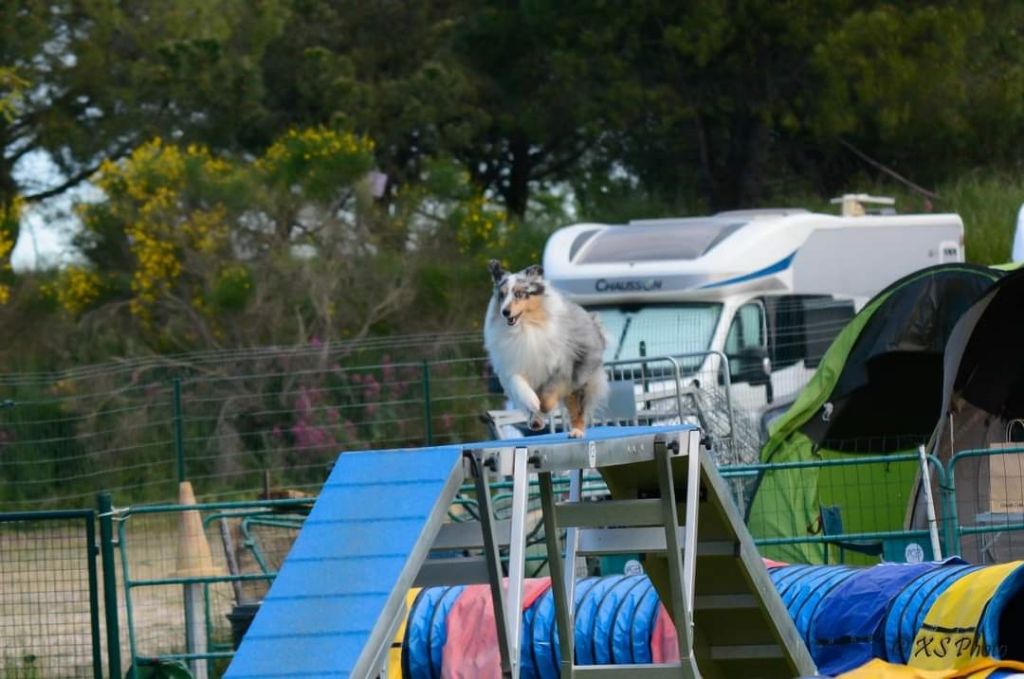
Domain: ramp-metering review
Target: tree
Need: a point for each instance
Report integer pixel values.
(735, 102)
(513, 92)
(189, 249)
(95, 79)
(933, 89)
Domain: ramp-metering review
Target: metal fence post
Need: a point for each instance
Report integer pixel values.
(179, 443)
(94, 594)
(427, 419)
(106, 507)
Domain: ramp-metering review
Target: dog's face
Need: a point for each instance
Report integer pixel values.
(518, 295)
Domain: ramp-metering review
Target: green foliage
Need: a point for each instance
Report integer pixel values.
(707, 105)
(989, 205)
(39, 446)
(232, 289)
(11, 92)
(318, 160)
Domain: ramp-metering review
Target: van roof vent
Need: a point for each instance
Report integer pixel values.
(657, 240)
(857, 205)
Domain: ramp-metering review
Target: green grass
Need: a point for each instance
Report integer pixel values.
(25, 669)
(988, 205)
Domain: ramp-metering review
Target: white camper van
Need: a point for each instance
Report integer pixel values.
(768, 289)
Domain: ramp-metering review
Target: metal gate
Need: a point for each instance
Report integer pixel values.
(49, 595)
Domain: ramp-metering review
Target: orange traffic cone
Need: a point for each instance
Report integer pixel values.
(194, 559)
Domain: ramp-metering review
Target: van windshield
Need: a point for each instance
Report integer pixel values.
(659, 330)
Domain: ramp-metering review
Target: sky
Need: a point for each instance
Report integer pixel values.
(47, 228)
(43, 241)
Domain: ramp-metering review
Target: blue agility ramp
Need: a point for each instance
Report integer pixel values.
(345, 579)
(379, 527)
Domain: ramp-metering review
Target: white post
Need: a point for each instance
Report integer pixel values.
(933, 525)
(195, 629)
(516, 557)
(194, 561)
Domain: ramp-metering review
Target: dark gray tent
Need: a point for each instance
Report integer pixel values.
(876, 391)
(983, 403)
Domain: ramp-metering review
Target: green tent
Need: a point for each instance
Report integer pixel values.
(877, 391)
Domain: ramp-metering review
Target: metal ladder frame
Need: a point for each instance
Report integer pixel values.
(588, 523)
(645, 525)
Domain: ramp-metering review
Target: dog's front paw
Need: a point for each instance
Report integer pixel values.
(575, 433)
(537, 422)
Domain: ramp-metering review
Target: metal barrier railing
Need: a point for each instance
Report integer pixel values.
(49, 595)
(690, 391)
(996, 503)
(662, 390)
(750, 472)
(172, 640)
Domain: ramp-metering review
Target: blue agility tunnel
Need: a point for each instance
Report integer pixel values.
(838, 610)
(845, 615)
(930, 615)
(616, 621)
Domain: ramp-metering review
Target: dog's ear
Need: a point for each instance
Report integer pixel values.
(497, 271)
(534, 271)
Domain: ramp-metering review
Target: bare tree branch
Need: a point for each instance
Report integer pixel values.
(75, 179)
(889, 171)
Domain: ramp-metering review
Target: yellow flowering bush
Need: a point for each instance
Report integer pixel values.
(75, 289)
(170, 201)
(12, 87)
(318, 159)
(481, 229)
(207, 251)
(10, 215)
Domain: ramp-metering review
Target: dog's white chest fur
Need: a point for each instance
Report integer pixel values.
(533, 351)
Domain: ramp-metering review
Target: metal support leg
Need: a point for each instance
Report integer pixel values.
(494, 574)
(516, 557)
(572, 539)
(563, 610)
(690, 531)
(681, 598)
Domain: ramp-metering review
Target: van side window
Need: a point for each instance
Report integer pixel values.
(802, 327)
(747, 329)
(745, 343)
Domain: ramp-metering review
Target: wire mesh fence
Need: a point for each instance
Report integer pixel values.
(49, 594)
(180, 603)
(239, 422)
(985, 512)
(233, 422)
(848, 509)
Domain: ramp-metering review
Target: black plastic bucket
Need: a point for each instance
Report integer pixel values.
(241, 617)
